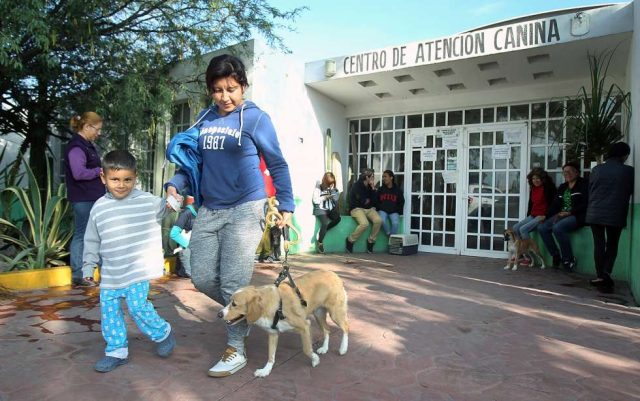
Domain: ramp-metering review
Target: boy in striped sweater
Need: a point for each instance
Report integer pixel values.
(124, 231)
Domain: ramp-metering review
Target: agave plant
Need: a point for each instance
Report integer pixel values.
(594, 128)
(40, 241)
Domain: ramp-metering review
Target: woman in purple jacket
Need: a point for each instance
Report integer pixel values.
(82, 176)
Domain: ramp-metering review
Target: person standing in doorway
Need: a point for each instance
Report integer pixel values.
(362, 205)
(84, 187)
(565, 214)
(610, 188)
(230, 137)
(325, 206)
(390, 203)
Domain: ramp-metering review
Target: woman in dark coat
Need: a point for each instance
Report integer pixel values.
(610, 187)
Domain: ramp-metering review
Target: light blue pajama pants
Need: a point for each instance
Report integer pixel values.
(223, 247)
(114, 328)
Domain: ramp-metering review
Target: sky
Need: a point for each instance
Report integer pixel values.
(331, 28)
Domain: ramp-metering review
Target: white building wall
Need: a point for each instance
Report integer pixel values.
(301, 117)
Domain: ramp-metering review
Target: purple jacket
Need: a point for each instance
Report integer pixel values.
(91, 188)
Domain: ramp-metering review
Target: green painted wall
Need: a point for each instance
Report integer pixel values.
(634, 252)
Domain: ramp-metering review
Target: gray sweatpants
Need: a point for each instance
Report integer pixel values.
(223, 246)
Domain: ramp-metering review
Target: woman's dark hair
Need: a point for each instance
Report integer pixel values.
(224, 66)
(390, 174)
(119, 160)
(540, 173)
(618, 150)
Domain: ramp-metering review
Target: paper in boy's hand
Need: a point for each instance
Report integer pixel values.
(173, 203)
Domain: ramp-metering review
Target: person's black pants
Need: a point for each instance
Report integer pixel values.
(605, 248)
(326, 224)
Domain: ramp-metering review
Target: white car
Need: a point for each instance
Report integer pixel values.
(485, 202)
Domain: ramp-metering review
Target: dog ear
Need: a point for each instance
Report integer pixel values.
(254, 309)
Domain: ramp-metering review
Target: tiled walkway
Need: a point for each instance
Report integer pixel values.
(425, 327)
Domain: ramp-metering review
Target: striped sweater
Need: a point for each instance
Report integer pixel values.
(126, 234)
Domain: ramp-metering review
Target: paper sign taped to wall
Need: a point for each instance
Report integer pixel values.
(428, 155)
(418, 139)
(450, 177)
(513, 136)
(501, 152)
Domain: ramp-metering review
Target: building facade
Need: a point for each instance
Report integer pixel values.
(460, 119)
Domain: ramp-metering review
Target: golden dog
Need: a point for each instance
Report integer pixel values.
(322, 290)
(517, 247)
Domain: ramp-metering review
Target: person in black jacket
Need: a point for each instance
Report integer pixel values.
(362, 207)
(566, 214)
(390, 203)
(610, 187)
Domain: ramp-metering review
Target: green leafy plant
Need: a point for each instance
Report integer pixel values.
(594, 127)
(40, 241)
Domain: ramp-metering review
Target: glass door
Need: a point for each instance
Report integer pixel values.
(433, 188)
(495, 185)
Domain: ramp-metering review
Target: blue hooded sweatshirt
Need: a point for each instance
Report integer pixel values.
(230, 148)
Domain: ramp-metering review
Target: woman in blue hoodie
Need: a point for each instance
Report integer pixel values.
(232, 134)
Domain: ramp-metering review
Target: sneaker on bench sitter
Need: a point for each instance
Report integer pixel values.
(230, 362)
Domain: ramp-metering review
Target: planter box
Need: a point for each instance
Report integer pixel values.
(25, 280)
(34, 279)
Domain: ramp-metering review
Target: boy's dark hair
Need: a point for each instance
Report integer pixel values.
(224, 66)
(119, 160)
(573, 164)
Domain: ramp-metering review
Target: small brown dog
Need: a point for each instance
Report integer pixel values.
(517, 247)
(322, 290)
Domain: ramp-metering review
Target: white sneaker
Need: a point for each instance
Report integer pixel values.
(230, 362)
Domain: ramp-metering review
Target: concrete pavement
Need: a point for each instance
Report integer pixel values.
(423, 327)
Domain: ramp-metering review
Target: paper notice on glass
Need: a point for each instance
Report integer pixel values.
(513, 135)
(418, 139)
(428, 155)
(501, 152)
(450, 177)
(450, 138)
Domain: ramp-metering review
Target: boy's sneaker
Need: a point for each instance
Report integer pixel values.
(166, 346)
(370, 246)
(108, 363)
(230, 362)
(349, 245)
(320, 247)
(84, 282)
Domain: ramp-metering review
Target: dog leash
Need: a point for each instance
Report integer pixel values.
(285, 274)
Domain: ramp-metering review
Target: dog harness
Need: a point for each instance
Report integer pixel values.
(284, 274)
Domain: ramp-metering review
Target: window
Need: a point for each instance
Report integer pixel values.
(181, 118)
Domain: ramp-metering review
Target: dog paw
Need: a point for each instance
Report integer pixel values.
(315, 359)
(264, 372)
(323, 349)
(543, 267)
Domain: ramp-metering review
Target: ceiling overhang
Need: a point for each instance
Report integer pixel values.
(556, 50)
